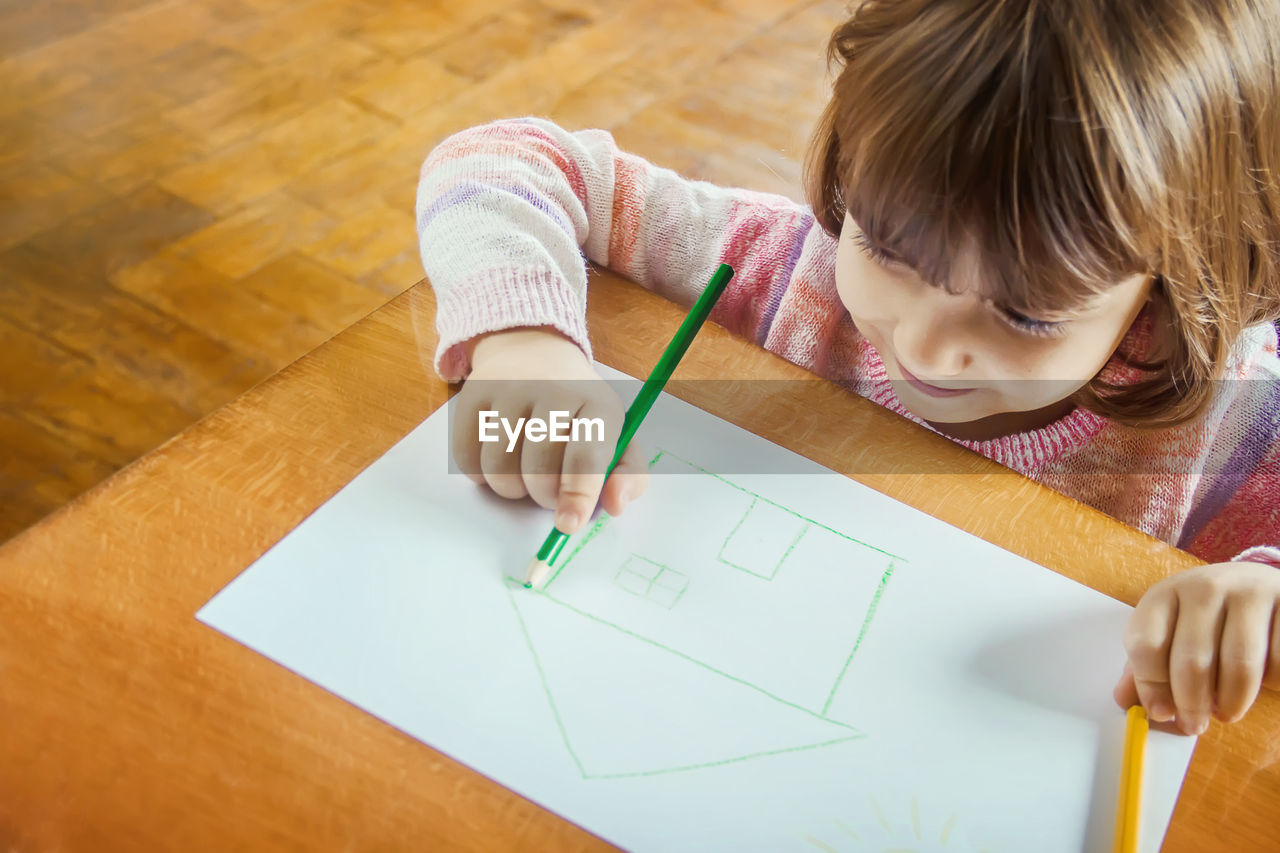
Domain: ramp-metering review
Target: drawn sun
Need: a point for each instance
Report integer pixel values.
(883, 834)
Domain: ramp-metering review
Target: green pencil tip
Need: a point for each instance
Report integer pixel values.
(528, 586)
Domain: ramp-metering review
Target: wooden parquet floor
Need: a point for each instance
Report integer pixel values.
(194, 193)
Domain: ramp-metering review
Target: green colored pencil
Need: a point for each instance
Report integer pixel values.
(551, 546)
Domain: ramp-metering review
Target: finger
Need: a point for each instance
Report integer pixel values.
(629, 480)
(1147, 639)
(1193, 657)
(1126, 692)
(585, 461)
(541, 461)
(1242, 654)
(1271, 678)
(1126, 696)
(500, 460)
(465, 438)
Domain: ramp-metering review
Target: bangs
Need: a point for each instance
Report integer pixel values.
(959, 136)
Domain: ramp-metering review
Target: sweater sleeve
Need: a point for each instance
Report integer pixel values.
(1240, 511)
(506, 212)
(1248, 525)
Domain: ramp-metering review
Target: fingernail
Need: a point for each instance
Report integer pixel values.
(1160, 712)
(567, 520)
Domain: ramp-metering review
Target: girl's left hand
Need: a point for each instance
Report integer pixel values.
(1203, 642)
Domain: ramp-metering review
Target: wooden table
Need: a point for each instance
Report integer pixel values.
(127, 724)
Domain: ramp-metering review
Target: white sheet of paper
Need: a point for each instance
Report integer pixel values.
(741, 662)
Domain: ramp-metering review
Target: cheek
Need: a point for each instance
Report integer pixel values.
(859, 285)
(1078, 355)
(846, 277)
(1088, 344)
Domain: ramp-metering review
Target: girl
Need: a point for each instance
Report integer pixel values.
(1050, 231)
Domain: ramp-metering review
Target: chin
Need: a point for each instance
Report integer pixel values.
(954, 410)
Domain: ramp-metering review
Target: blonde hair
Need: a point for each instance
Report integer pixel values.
(1073, 144)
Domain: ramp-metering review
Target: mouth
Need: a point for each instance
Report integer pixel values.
(931, 390)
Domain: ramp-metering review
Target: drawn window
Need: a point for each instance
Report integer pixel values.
(652, 581)
(762, 539)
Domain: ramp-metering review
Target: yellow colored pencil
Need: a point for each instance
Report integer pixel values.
(1129, 802)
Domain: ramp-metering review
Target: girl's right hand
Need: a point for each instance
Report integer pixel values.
(529, 373)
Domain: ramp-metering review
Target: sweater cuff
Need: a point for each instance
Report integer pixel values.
(504, 299)
(1259, 554)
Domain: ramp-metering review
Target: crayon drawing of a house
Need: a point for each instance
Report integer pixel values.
(728, 623)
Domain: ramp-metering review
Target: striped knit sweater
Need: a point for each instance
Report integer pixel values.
(506, 211)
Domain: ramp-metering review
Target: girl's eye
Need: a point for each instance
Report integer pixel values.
(874, 252)
(1030, 325)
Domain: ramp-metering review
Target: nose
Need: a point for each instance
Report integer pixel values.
(930, 338)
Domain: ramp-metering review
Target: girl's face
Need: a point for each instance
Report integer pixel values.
(976, 369)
